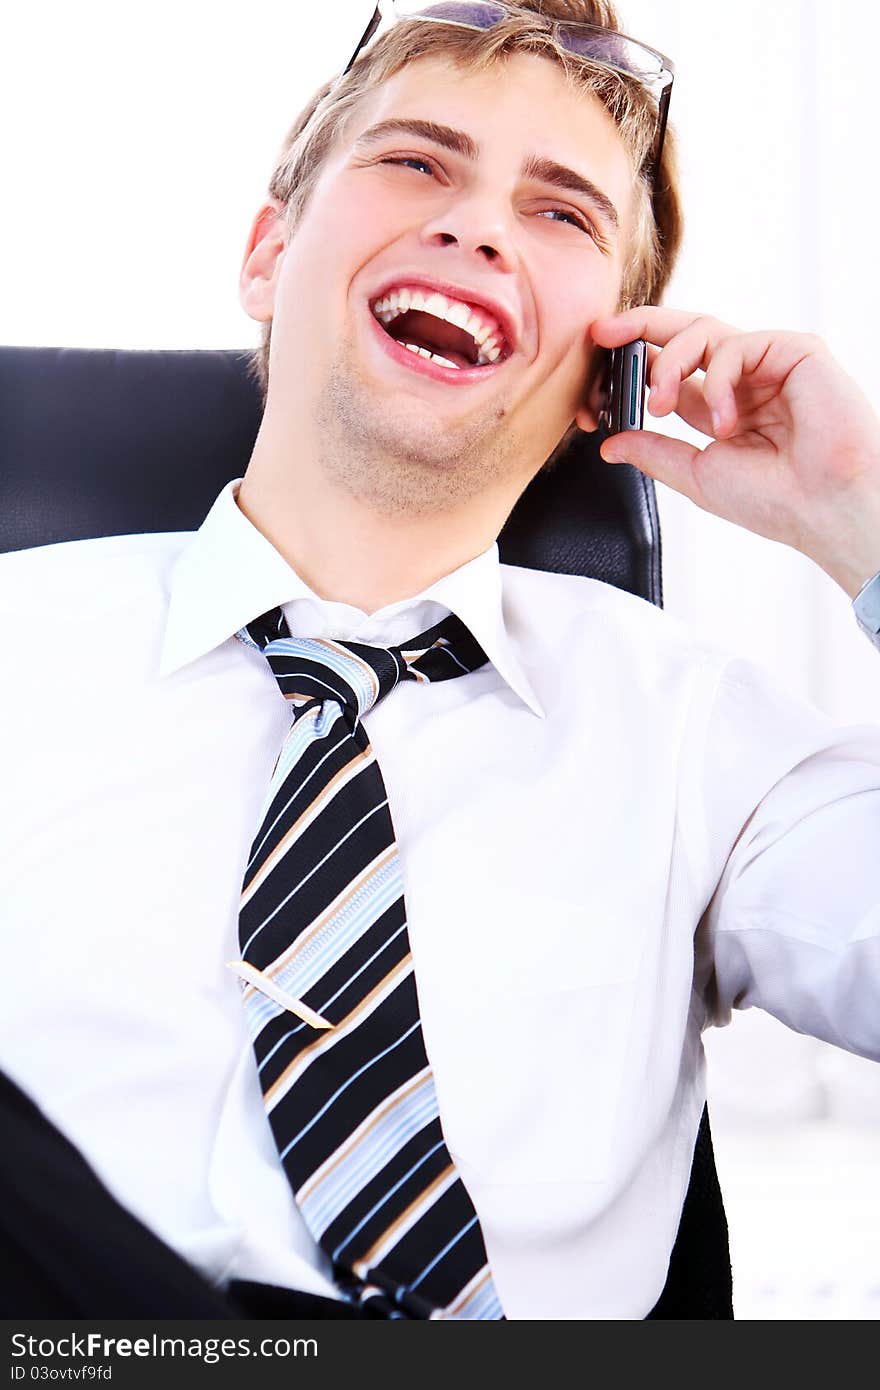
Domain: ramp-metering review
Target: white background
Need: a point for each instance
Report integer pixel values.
(137, 142)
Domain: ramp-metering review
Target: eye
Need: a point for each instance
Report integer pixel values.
(572, 217)
(408, 160)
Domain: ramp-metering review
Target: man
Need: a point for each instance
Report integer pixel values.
(531, 1157)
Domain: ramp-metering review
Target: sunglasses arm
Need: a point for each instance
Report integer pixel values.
(365, 37)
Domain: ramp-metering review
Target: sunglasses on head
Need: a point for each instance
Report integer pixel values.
(606, 47)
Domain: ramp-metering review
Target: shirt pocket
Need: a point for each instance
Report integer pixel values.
(529, 1062)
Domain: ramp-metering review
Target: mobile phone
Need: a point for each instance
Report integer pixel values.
(624, 407)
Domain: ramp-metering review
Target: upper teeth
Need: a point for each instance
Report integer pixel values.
(484, 330)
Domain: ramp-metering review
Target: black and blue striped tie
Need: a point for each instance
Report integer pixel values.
(330, 992)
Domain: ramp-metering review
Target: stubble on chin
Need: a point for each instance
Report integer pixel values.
(399, 464)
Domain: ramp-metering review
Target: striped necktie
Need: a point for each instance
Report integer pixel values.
(330, 993)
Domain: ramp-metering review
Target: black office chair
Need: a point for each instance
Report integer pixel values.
(106, 443)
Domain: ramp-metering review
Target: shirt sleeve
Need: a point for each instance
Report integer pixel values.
(791, 805)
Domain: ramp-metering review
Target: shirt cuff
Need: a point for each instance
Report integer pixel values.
(866, 606)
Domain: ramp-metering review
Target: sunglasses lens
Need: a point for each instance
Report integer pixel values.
(615, 51)
(474, 16)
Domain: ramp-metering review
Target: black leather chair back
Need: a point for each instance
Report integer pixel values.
(106, 443)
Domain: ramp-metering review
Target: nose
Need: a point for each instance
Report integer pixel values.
(478, 227)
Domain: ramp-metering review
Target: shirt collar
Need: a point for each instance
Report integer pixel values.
(229, 573)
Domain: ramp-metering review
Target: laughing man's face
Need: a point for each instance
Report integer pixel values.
(479, 218)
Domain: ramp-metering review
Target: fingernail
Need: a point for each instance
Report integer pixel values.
(716, 422)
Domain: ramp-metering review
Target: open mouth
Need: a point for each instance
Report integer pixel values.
(449, 332)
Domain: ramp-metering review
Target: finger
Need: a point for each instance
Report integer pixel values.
(740, 356)
(692, 408)
(652, 354)
(655, 323)
(689, 351)
(691, 405)
(669, 461)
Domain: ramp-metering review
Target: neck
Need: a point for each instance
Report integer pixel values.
(346, 547)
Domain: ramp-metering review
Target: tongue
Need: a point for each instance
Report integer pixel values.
(438, 336)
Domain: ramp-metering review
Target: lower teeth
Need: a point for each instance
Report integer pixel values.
(434, 356)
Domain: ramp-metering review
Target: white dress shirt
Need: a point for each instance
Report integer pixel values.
(572, 818)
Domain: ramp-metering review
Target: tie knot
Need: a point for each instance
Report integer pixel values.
(357, 674)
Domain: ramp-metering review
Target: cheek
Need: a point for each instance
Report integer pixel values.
(335, 240)
(339, 234)
(574, 294)
(573, 278)
(591, 288)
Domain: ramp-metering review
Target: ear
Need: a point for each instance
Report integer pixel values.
(587, 414)
(263, 257)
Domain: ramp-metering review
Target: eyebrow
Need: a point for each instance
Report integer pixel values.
(536, 167)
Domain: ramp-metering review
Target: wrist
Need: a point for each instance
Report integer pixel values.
(847, 544)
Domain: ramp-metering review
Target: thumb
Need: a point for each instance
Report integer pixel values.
(667, 460)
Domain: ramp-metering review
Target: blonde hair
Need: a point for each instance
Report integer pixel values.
(658, 224)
